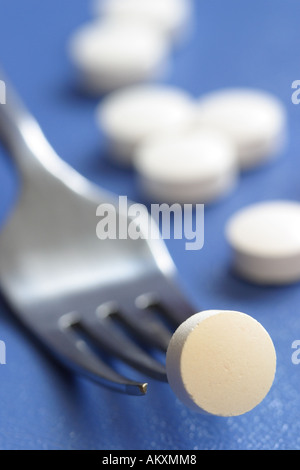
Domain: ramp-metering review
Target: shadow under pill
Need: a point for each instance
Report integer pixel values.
(74, 91)
(229, 285)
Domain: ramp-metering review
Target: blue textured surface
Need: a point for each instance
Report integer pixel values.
(234, 43)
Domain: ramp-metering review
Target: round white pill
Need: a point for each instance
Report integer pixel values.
(191, 167)
(133, 114)
(168, 16)
(265, 239)
(221, 362)
(254, 120)
(112, 54)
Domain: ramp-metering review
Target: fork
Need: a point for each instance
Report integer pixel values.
(84, 299)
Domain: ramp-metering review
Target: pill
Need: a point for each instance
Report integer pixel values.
(171, 17)
(191, 167)
(265, 240)
(254, 119)
(221, 363)
(111, 54)
(130, 115)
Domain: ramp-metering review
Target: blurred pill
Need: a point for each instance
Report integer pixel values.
(130, 115)
(171, 17)
(191, 167)
(221, 362)
(254, 120)
(111, 54)
(265, 239)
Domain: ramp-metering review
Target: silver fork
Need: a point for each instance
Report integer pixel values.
(81, 296)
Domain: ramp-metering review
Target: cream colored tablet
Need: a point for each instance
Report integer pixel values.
(168, 16)
(221, 362)
(133, 114)
(265, 239)
(111, 54)
(254, 120)
(189, 167)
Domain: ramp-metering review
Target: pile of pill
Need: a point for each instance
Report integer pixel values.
(161, 131)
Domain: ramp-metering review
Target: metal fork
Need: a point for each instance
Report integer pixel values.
(81, 296)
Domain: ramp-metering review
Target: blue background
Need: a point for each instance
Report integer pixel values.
(249, 43)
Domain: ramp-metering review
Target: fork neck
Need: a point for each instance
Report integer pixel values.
(23, 137)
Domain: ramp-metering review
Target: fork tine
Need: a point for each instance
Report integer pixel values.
(149, 332)
(121, 347)
(77, 355)
(172, 303)
(132, 319)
